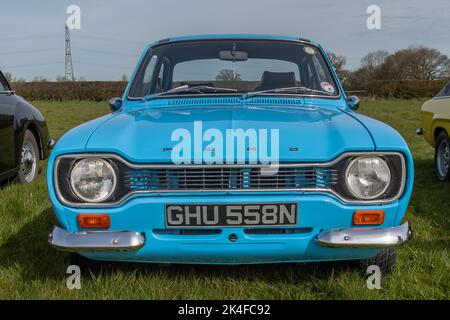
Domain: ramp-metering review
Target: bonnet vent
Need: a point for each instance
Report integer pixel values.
(276, 101)
(205, 101)
(236, 101)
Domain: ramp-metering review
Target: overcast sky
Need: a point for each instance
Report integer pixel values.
(114, 32)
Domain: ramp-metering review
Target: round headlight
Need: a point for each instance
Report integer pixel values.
(93, 180)
(368, 178)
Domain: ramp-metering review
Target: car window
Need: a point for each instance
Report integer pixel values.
(2, 84)
(240, 75)
(148, 76)
(445, 92)
(241, 65)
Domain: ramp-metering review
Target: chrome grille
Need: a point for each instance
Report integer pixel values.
(172, 178)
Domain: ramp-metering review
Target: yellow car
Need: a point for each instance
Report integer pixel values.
(435, 127)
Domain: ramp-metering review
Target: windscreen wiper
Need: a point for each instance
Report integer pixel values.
(287, 90)
(186, 90)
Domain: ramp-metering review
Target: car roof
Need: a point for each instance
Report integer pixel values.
(229, 36)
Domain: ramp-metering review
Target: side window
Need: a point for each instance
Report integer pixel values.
(311, 76)
(2, 84)
(148, 75)
(159, 80)
(162, 79)
(445, 91)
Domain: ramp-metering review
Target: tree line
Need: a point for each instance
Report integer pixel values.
(413, 63)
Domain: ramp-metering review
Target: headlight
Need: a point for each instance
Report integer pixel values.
(368, 178)
(93, 180)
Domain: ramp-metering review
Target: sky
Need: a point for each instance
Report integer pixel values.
(114, 32)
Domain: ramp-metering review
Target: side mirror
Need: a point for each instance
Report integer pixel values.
(353, 103)
(115, 104)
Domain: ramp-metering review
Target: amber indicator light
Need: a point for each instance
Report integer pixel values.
(94, 221)
(367, 217)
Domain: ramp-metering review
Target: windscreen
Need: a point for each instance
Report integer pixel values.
(238, 65)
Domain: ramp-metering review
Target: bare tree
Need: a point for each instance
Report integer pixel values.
(8, 76)
(61, 79)
(374, 59)
(124, 77)
(339, 62)
(228, 75)
(416, 63)
(430, 63)
(39, 79)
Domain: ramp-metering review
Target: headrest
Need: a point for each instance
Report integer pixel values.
(273, 80)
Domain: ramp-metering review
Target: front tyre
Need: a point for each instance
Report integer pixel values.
(386, 260)
(442, 157)
(29, 161)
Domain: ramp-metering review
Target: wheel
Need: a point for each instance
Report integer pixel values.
(29, 162)
(442, 157)
(386, 260)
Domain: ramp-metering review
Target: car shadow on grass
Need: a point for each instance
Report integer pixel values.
(29, 252)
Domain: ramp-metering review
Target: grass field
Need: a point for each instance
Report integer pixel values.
(31, 269)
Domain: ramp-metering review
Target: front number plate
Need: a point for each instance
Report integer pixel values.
(231, 215)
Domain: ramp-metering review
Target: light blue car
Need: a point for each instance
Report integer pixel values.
(232, 149)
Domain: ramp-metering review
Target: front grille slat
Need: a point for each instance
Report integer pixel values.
(206, 178)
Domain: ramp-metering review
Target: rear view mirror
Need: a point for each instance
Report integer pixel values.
(233, 55)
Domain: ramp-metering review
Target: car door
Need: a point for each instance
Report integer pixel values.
(7, 109)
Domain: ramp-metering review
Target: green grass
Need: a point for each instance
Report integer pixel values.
(31, 269)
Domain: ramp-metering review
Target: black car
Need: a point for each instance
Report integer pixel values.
(24, 137)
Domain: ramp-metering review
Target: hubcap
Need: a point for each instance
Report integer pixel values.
(29, 162)
(443, 158)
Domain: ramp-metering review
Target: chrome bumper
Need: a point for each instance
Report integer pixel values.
(365, 237)
(95, 240)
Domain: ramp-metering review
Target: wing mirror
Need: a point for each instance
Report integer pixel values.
(353, 103)
(115, 104)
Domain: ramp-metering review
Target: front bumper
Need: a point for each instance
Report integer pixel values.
(376, 238)
(93, 241)
(104, 241)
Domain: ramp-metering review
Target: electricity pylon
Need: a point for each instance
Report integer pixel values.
(69, 66)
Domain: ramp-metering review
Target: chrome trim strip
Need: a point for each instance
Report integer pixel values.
(365, 237)
(92, 241)
(233, 191)
(441, 97)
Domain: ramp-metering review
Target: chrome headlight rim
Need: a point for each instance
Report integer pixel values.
(380, 193)
(108, 165)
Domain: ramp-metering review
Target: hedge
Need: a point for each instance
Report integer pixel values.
(406, 89)
(60, 91)
(104, 90)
